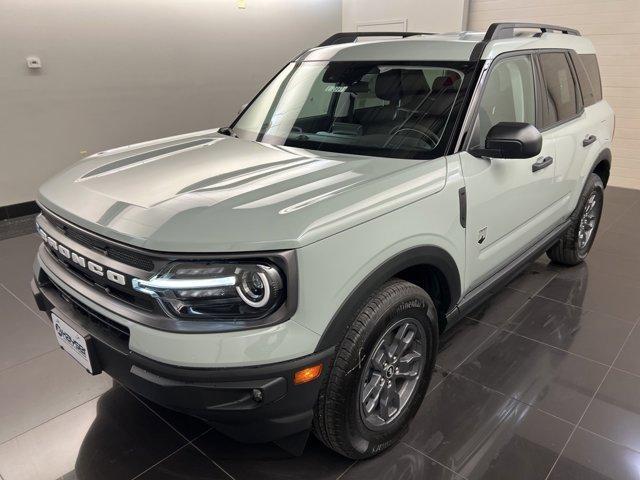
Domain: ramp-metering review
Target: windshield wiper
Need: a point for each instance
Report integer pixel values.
(228, 131)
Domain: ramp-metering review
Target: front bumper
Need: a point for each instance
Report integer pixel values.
(250, 404)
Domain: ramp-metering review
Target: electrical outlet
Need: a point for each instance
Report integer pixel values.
(34, 62)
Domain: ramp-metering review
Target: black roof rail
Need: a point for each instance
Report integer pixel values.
(506, 29)
(348, 37)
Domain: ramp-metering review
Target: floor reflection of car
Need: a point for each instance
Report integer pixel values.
(495, 422)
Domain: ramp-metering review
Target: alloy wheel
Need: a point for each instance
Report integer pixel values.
(588, 221)
(392, 373)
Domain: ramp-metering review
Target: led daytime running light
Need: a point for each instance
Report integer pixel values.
(182, 284)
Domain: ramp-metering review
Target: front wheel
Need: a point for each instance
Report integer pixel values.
(576, 242)
(380, 373)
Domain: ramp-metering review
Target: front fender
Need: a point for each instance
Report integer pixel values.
(423, 255)
(336, 272)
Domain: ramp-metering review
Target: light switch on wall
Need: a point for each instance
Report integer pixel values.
(34, 62)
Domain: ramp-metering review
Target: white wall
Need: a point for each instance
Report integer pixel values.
(120, 71)
(421, 15)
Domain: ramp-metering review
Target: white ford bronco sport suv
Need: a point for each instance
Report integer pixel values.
(293, 272)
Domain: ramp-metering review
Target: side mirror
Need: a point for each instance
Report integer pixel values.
(510, 140)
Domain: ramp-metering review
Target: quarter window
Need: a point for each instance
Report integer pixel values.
(586, 87)
(561, 102)
(509, 96)
(590, 63)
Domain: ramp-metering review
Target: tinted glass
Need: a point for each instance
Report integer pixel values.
(590, 63)
(509, 96)
(588, 96)
(391, 110)
(561, 101)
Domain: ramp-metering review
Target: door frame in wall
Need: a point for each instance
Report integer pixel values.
(383, 25)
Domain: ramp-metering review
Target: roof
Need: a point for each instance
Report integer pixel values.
(448, 46)
(545, 40)
(419, 47)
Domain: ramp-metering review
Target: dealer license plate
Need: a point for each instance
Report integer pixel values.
(72, 342)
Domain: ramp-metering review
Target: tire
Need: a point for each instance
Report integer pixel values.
(571, 249)
(341, 420)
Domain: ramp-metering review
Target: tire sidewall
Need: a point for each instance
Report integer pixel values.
(417, 305)
(594, 185)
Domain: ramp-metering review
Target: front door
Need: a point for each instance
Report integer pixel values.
(509, 205)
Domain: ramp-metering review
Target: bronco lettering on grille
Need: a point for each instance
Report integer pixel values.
(79, 260)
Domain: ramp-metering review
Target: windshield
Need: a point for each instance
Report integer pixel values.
(395, 109)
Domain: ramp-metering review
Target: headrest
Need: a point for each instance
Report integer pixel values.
(440, 83)
(388, 85)
(414, 83)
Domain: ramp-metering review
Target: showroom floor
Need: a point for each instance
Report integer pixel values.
(543, 382)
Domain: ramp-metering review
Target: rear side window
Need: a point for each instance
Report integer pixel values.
(561, 101)
(590, 63)
(588, 95)
(589, 82)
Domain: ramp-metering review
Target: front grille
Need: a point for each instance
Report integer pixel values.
(140, 301)
(117, 253)
(130, 258)
(96, 319)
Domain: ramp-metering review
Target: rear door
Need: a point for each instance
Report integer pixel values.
(592, 130)
(509, 205)
(564, 120)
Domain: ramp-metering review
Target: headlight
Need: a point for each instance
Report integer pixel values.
(215, 290)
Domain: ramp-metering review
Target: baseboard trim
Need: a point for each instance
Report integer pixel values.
(18, 210)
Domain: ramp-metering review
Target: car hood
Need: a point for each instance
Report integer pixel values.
(207, 192)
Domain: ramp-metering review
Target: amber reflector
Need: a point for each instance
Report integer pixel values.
(307, 374)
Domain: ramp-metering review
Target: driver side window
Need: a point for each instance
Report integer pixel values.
(509, 96)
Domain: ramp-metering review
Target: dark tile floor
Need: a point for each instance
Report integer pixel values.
(543, 382)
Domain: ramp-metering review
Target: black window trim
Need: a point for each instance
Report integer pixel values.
(576, 83)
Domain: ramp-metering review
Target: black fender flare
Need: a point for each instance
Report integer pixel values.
(417, 256)
(604, 155)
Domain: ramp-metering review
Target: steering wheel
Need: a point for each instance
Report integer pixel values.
(428, 136)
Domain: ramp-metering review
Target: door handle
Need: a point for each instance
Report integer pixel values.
(542, 162)
(588, 140)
